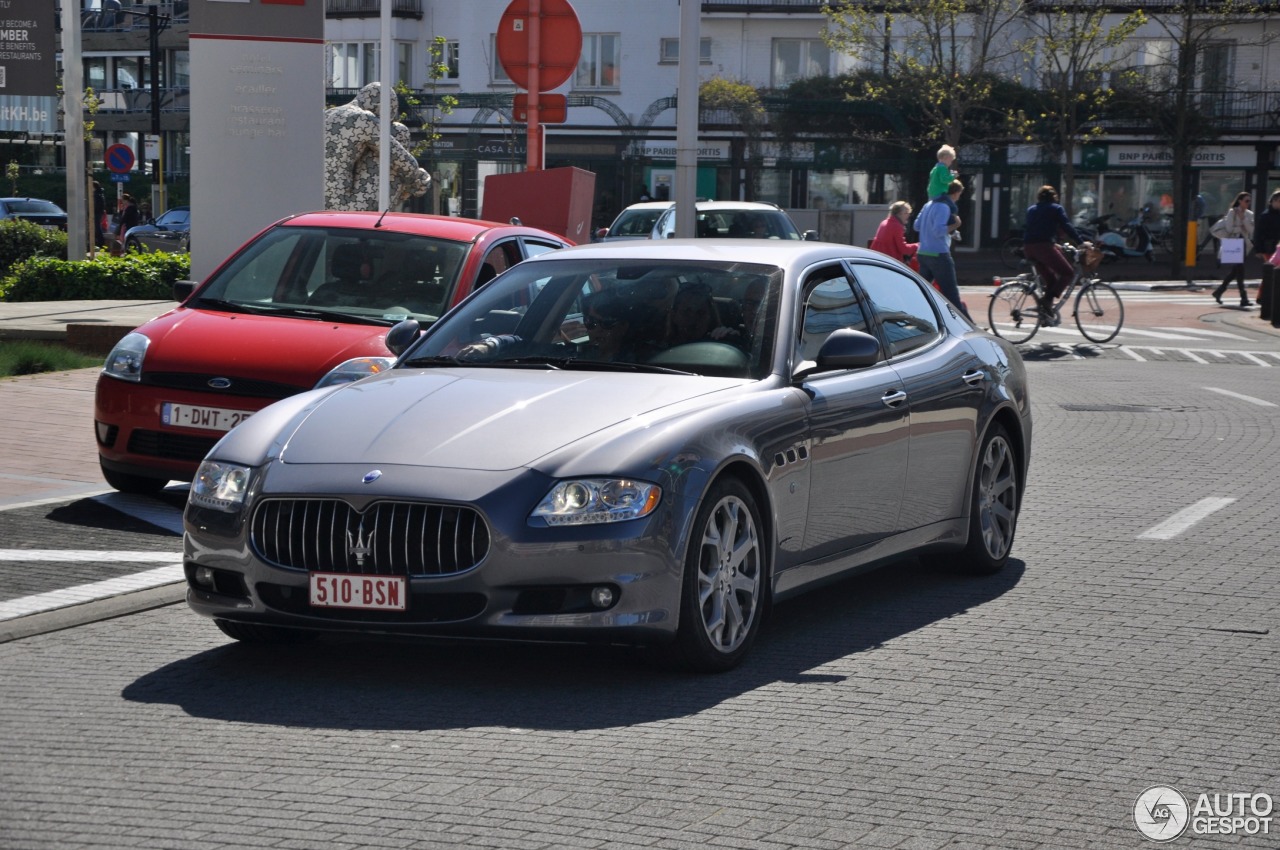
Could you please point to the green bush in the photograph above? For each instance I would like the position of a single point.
(20, 240)
(134, 276)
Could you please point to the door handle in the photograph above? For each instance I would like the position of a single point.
(893, 398)
(974, 378)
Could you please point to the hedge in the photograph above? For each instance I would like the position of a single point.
(148, 277)
(20, 240)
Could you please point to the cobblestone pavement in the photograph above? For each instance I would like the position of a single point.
(902, 709)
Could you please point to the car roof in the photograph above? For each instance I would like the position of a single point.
(737, 205)
(649, 205)
(440, 226)
(787, 254)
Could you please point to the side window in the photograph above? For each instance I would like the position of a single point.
(830, 303)
(533, 247)
(501, 257)
(906, 314)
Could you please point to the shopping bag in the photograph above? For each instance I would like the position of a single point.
(1275, 257)
(1232, 251)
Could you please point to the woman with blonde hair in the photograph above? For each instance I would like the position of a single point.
(891, 235)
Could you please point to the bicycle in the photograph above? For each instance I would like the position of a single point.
(1014, 312)
(1011, 253)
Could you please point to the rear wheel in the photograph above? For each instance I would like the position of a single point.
(138, 485)
(993, 513)
(1099, 312)
(1014, 312)
(725, 581)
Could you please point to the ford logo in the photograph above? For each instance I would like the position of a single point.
(371, 476)
(220, 383)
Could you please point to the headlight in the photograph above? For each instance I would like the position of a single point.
(354, 370)
(125, 360)
(595, 500)
(220, 486)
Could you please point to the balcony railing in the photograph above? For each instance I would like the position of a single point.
(125, 101)
(372, 8)
(800, 6)
(133, 16)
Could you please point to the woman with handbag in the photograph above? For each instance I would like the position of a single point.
(1233, 232)
(1266, 241)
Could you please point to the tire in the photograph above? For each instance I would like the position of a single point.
(254, 633)
(138, 485)
(1099, 312)
(993, 508)
(1011, 253)
(132, 246)
(725, 582)
(1013, 312)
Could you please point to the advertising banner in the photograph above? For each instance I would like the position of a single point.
(28, 73)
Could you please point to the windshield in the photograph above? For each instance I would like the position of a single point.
(32, 205)
(366, 274)
(699, 317)
(635, 223)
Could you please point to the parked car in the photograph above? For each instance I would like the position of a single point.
(636, 443)
(45, 213)
(735, 220)
(304, 295)
(170, 232)
(635, 222)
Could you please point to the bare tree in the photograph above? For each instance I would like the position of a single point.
(1074, 52)
(949, 51)
(1187, 72)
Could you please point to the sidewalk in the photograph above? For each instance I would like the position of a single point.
(89, 326)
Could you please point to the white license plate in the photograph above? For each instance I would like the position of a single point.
(204, 418)
(371, 593)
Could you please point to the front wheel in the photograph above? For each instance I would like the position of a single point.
(993, 512)
(725, 581)
(1014, 312)
(1099, 312)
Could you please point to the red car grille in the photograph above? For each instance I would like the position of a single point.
(170, 446)
(389, 538)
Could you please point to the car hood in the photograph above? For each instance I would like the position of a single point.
(297, 352)
(481, 419)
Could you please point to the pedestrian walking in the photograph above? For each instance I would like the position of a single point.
(99, 215)
(1046, 220)
(935, 224)
(129, 217)
(891, 236)
(1235, 232)
(1266, 237)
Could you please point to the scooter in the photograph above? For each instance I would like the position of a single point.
(1138, 243)
(1098, 231)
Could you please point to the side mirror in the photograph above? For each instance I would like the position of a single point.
(843, 349)
(812, 236)
(182, 289)
(402, 335)
(602, 232)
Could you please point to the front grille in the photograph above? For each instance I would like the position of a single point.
(170, 446)
(246, 387)
(389, 538)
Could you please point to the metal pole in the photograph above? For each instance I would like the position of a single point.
(533, 135)
(687, 119)
(157, 164)
(384, 112)
(73, 131)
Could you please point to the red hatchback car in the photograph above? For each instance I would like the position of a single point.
(310, 292)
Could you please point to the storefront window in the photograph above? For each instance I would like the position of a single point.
(1219, 189)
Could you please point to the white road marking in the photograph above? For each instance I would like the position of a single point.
(1135, 355)
(55, 599)
(1184, 519)
(67, 556)
(1204, 332)
(1191, 355)
(1258, 401)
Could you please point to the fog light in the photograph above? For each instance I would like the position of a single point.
(204, 576)
(602, 597)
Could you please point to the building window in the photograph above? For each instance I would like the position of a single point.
(355, 64)
(497, 74)
(598, 66)
(449, 58)
(669, 53)
(799, 58)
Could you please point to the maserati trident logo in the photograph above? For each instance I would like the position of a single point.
(359, 545)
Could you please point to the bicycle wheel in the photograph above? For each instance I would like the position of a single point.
(1014, 313)
(1011, 253)
(1099, 311)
